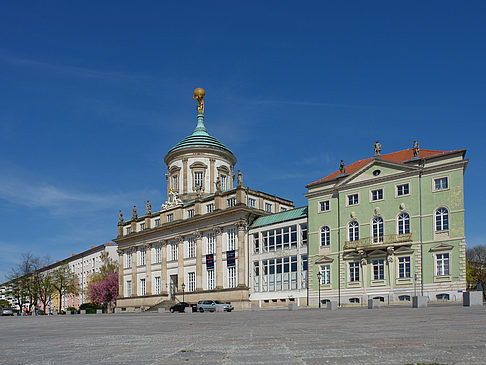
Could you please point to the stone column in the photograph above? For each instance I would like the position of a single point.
(120, 274)
(148, 269)
(241, 226)
(184, 176)
(212, 179)
(198, 261)
(180, 265)
(134, 272)
(219, 258)
(163, 268)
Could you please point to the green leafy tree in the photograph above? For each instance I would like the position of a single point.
(476, 266)
(64, 281)
(46, 288)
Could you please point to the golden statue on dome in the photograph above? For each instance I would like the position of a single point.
(199, 95)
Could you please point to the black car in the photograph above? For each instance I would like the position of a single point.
(180, 307)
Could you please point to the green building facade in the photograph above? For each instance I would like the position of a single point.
(389, 227)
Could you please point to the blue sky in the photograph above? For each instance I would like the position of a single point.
(92, 96)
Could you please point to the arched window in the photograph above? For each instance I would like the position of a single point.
(353, 229)
(441, 219)
(377, 230)
(325, 236)
(403, 223)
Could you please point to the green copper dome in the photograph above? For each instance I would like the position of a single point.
(199, 138)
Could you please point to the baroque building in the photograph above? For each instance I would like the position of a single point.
(389, 227)
(196, 246)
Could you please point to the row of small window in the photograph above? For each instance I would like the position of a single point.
(377, 194)
(401, 298)
(198, 177)
(404, 269)
(231, 243)
(279, 238)
(191, 282)
(279, 274)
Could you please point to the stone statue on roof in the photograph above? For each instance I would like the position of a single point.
(239, 178)
(172, 200)
(377, 148)
(342, 168)
(134, 212)
(199, 94)
(218, 184)
(416, 148)
(148, 208)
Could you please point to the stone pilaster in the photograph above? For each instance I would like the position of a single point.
(180, 265)
(148, 269)
(134, 273)
(241, 227)
(184, 176)
(198, 261)
(218, 201)
(240, 195)
(212, 175)
(121, 292)
(163, 270)
(219, 258)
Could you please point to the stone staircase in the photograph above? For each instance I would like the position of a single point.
(163, 304)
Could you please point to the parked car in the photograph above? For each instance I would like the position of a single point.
(211, 305)
(7, 312)
(181, 306)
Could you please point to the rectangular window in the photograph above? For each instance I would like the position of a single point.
(252, 203)
(157, 222)
(303, 234)
(198, 178)
(191, 247)
(211, 243)
(231, 202)
(403, 189)
(353, 199)
(157, 285)
(210, 208)
(379, 269)
(325, 274)
(268, 207)
(441, 184)
(324, 206)
(283, 209)
(158, 256)
(442, 264)
(354, 271)
(256, 276)
(129, 230)
(141, 256)
(256, 243)
(303, 271)
(142, 287)
(142, 226)
(129, 288)
(190, 213)
(377, 194)
(173, 251)
(404, 267)
(191, 281)
(231, 239)
(211, 279)
(175, 182)
(232, 277)
(170, 217)
(128, 259)
(223, 182)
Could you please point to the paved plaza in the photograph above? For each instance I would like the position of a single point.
(448, 334)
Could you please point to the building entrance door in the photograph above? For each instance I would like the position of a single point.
(173, 286)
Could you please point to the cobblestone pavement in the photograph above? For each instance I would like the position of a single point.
(449, 334)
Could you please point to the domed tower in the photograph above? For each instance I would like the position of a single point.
(199, 164)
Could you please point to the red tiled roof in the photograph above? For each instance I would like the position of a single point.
(398, 156)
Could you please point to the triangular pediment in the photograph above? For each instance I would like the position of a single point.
(441, 247)
(403, 250)
(377, 253)
(324, 260)
(376, 169)
(352, 256)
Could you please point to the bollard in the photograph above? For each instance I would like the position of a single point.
(419, 301)
(82, 311)
(161, 310)
(99, 311)
(138, 310)
(255, 307)
(331, 305)
(472, 298)
(292, 306)
(118, 310)
(373, 303)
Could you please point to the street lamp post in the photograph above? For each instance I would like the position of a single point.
(319, 275)
(183, 287)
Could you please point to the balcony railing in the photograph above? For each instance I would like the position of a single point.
(386, 239)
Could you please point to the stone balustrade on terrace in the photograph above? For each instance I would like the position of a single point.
(371, 241)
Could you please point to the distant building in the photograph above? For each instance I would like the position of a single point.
(388, 227)
(278, 259)
(196, 246)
